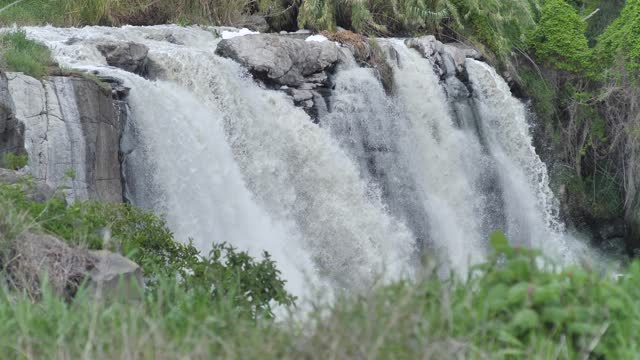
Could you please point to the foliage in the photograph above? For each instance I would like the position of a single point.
(516, 305)
(621, 38)
(23, 55)
(560, 37)
(145, 238)
(14, 161)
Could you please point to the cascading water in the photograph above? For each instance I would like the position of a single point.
(342, 202)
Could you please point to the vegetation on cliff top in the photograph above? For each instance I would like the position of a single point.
(17, 53)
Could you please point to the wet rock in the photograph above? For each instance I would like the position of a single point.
(280, 59)
(128, 56)
(448, 59)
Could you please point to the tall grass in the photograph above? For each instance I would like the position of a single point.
(120, 12)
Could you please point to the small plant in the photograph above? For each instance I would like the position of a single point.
(13, 161)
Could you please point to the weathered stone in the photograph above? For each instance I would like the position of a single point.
(448, 59)
(72, 134)
(280, 59)
(459, 53)
(255, 23)
(301, 95)
(128, 56)
(115, 277)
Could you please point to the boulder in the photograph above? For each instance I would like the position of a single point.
(254, 22)
(129, 56)
(280, 59)
(115, 277)
(448, 59)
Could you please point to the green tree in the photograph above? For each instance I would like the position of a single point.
(559, 39)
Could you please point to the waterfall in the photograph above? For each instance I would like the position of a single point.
(435, 166)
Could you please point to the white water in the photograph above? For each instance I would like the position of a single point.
(227, 160)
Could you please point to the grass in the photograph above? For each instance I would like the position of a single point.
(20, 54)
(119, 12)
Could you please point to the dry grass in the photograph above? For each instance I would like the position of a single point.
(34, 258)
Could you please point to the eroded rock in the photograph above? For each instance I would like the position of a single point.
(280, 59)
(448, 59)
(128, 56)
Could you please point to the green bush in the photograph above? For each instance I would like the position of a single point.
(560, 40)
(23, 55)
(144, 237)
(621, 38)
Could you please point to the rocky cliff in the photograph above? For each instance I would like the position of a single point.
(70, 128)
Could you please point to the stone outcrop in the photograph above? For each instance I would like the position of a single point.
(298, 67)
(70, 127)
(447, 58)
(281, 59)
(129, 56)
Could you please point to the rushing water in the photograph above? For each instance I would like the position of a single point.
(381, 177)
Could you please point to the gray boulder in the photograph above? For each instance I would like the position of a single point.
(280, 59)
(448, 59)
(128, 56)
(115, 277)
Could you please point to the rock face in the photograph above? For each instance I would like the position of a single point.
(72, 130)
(11, 131)
(298, 67)
(128, 56)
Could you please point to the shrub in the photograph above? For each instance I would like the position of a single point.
(254, 285)
(560, 38)
(621, 38)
